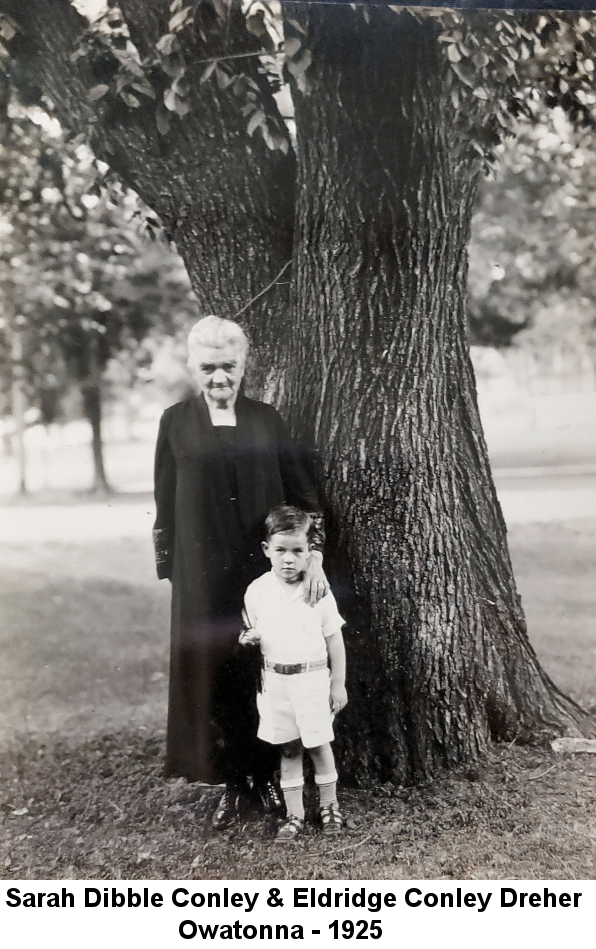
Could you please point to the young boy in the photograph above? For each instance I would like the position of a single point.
(304, 668)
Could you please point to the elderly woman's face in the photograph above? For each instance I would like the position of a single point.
(218, 371)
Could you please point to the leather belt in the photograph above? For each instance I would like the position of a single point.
(291, 669)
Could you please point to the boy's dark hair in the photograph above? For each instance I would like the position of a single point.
(286, 518)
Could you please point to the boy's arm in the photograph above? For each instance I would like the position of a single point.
(337, 662)
(249, 635)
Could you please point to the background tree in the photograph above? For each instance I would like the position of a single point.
(84, 282)
(532, 275)
(396, 114)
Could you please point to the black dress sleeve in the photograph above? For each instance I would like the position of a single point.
(297, 483)
(165, 501)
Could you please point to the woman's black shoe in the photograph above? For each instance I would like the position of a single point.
(228, 809)
(271, 799)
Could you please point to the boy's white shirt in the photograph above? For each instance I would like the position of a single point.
(290, 630)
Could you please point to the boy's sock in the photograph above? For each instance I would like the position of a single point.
(327, 784)
(294, 800)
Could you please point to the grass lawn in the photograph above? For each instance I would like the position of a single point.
(82, 711)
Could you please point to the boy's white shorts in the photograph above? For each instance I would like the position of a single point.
(295, 706)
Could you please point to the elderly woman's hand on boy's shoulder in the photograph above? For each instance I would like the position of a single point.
(316, 585)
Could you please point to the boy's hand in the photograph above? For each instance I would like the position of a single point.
(249, 637)
(338, 698)
(316, 585)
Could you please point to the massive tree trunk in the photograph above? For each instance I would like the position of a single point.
(381, 382)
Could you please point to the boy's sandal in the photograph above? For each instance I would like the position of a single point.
(289, 830)
(331, 818)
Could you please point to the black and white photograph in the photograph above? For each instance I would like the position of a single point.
(297, 350)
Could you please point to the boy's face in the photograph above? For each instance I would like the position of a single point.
(288, 553)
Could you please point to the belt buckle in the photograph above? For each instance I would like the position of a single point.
(290, 669)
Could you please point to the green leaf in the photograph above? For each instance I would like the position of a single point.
(275, 140)
(97, 92)
(182, 107)
(298, 66)
(223, 78)
(208, 72)
(162, 119)
(255, 120)
(130, 100)
(298, 26)
(240, 86)
(173, 64)
(292, 46)
(464, 74)
(255, 24)
(480, 93)
(169, 100)
(180, 19)
(8, 28)
(220, 8)
(181, 85)
(144, 87)
(480, 59)
(524, 52)
(128, 61)
(167, 43)
(453, 54)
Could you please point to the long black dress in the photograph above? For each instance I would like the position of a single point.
(214, 487)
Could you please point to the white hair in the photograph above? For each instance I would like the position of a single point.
(217, 332)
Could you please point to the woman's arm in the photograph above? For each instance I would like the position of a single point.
(299, 490)
(316, 585)
(294, 467)
(165, 501)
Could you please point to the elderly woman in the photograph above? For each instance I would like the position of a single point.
(223, 461)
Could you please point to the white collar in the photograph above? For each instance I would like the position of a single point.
(289, 591)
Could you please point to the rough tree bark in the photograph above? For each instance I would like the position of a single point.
(382, 383)
(379, 375)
